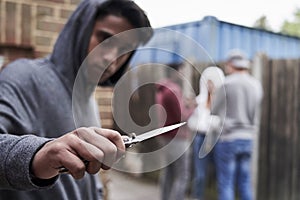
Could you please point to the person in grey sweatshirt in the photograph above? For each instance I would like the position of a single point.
(40, 133)
(237, 108)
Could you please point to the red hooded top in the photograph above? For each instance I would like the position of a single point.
(169, 96)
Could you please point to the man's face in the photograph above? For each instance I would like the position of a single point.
(105, 52)
(228, 68)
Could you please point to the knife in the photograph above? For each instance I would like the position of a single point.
(150, 134)
(137, 139)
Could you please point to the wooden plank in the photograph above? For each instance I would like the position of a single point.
(286, 108)
(276, 152)
(263, 162)
(295, 184)
(283, 137)
(297, 131)
(273, 127)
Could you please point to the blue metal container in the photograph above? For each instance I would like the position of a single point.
(217, 38)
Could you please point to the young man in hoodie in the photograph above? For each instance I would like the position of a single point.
(40, 134)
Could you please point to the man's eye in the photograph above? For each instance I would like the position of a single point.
(102, 37)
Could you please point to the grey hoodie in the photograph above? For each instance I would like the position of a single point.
(238, 106)
(36, 99)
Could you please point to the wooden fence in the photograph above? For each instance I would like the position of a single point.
(279, 140)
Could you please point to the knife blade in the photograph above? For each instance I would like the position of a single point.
(150, 134)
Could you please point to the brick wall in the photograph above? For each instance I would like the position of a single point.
(10, 53)
(29, 28)
(104, 97)
(34, 23)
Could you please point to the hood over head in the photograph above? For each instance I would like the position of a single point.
(71, 47)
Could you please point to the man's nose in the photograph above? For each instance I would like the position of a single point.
(111, 55)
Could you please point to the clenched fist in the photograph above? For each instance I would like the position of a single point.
(99, 148)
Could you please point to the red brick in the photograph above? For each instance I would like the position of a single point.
(49, 1)
(26, 25)
(76, 2)
(44, 41)
(44, 10)
(102, 101)
(49, 26)
(105, 115)
(65, 13)
(57, 1)
(39, 54)
(12, 52)
(10, 23)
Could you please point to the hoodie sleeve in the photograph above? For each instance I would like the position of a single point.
(16, 153)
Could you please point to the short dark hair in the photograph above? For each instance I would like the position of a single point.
(173, 67)
(176, 65)
(129, 10)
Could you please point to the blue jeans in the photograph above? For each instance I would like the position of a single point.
(233, 163)
(200, 167)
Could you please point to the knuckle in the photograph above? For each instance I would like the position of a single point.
(71, 137)
(100, 156)
(79, 169)
(57, 147)
(80, 131)
(81, 128)
(115, 135)
(95, 156)
(95, 128)
(94, 167)
(111, 149)
(78, 175)
(92, 171)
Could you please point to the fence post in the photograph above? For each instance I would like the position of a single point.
(256, 71)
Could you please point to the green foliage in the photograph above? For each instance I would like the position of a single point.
(292, 27)
(262, 23)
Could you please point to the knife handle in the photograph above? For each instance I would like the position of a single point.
(127, 141)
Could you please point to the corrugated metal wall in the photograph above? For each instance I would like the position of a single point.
(217, 38)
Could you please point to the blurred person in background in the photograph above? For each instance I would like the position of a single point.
(200, 121)
(174, 177)
(233, 151)
(38, 131)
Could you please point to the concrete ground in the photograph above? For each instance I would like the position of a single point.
(122, 186)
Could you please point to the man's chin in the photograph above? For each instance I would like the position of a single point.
(102, 80)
